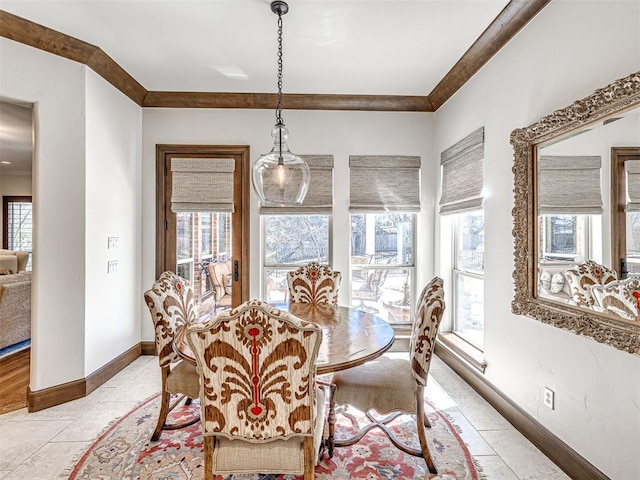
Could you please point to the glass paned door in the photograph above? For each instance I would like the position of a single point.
(202, 238)
(189, 241)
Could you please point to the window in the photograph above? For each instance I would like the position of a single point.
(633, 242)
(468, 278)
(18, 225)
(382, 264)
(291, 241)
(564, 238)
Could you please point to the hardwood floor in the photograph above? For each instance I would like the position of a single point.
(14, 380)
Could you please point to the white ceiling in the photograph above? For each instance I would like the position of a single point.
(330, 46)
(366, 47)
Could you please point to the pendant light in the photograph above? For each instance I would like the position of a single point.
(280, 177)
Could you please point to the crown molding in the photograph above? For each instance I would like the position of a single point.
(43, 38)
(504, 27)
(510, 20)
(292, 101)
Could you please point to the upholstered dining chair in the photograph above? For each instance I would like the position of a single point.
(171, 303)
(395, 386)
(582, 278)
(314, 283)
(260, 407)
(620, 297)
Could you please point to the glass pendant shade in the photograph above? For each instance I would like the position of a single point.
(280, 177)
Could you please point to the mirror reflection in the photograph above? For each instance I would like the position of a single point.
(588, 217)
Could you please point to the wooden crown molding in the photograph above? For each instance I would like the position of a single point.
(512, 18)
(292, 101)
(43, 38)
(509, 21)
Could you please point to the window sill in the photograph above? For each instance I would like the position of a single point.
(462, 349)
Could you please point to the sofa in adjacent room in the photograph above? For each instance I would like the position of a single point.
(13, 260)
(15, 308)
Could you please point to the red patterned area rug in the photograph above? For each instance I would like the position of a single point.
(124, 452)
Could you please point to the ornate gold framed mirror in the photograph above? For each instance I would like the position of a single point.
(547, 231)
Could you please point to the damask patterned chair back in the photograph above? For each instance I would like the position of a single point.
(258, 385)
(583, 277)
(620, 297)
(425, 329)
(172, 305)
(314, 283)
(391, 386)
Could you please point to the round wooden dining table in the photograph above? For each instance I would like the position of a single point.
(350, 337)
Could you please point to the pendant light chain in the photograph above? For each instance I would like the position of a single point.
(279, 106)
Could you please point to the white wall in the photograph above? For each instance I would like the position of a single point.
(86, 186)
(337, 133)
(565, 53)
(56, 87)
(113, 179)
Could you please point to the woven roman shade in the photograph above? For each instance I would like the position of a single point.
(463, 174)
(633, 185)
(319, 198)
(569, 185)
(202, 184)
(384, 183)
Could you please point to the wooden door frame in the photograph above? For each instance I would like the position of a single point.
(240, 153)
(619, 155)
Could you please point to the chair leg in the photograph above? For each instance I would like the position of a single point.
(164, 411)
(309, 459)
(209, 445)
(166, 406)
(382, 424)
(421, 421)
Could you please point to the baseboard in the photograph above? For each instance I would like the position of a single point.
(574, 465)
(52, 396)
(104, 373)
(148, 348)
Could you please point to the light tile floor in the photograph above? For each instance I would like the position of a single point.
(45, 444)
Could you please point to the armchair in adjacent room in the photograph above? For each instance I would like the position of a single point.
(221, 278)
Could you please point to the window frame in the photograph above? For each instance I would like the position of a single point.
(6, 200)
(584, 238)
(399, 327)
(457, 272)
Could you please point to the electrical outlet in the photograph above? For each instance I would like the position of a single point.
(549, 397)
(112, 266)
(113, 243)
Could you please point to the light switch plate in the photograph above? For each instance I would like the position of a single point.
(113, 243)
(112, 266)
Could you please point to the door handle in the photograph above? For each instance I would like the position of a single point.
(235, 270)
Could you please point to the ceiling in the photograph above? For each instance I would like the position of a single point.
(331, 47)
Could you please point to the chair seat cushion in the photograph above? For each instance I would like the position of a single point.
(278, 456)
(385, 385)
(184, 379)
